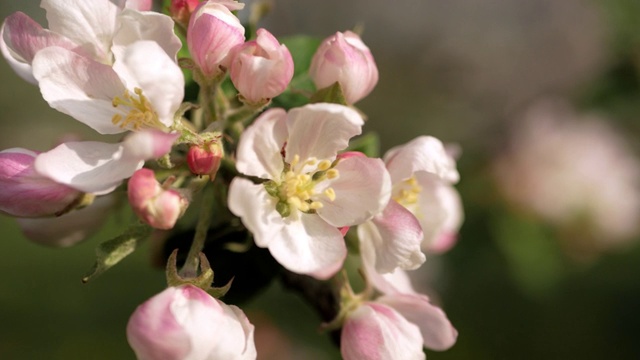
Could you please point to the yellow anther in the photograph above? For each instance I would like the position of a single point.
(295, 160)
(324, 165)
(408, 192)
(304, 178)
(312, 161)
(315, 205)
(330, 193)
(140, 113)
(333, 174)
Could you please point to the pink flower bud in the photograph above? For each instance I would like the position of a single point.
(344, 58)
(155, 205)
(26, 193)
(376, 331)
(213, 31)
(187, 323)
(181, 10)
(262, 68)
(205, 159)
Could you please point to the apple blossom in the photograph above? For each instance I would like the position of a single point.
(181, 10)
(307, 195)
(213, 31)
(422, 173)
(262, 68)
(94, 29)
(27, 193)
(344, 58)
(574, 171)
(155, 205)
(374, 331)
(185, 322)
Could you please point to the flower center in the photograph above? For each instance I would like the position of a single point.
(297, 189)
(407, 192)
(140, 113)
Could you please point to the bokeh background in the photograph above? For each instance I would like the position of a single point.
(459, 70)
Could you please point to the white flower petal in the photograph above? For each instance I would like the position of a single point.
(21, 38)
(135, 26)
(89, 166)
(395, 235)
(259, 149)
(437, 331)
(89, 23)
(79, 87)
(321, 130)
(361, 191)
(257, 210)
(439, 211)
(148, 144)
(145, 65)
(309, 246)
(422, 154)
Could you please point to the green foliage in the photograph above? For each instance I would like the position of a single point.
(301, 87)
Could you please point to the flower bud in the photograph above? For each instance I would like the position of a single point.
(187, 323)
(262, 68)
(213, 31)
(344, 58)
(205, 159)
(155, 205)
(376, 331)
(26, 193)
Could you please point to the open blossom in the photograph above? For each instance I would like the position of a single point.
(262, 68)
(27, 193)
(187, 323)
(155, 205)
(96, 29)
(344, 58)
(308, 195)
(574, 171)
(213, 31)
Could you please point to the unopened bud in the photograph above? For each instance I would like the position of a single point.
(344, 58)
(213, 31)
(205, 159)
(261, 69)
(153, 204)
(26, 193)
(181, 10)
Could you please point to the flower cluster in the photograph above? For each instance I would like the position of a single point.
(286, 175)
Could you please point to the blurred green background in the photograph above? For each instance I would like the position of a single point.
(459, 70)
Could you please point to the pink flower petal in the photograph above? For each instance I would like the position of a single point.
(259, 149)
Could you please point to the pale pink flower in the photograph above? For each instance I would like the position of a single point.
(296, 213)
(574, 171)
(155, 205)
(186, 323)
(375, 331)
(96, 29)
(68, 229)
(422, 173)
(261, 69)
(344, 58)
(213, 31)
(25, 192)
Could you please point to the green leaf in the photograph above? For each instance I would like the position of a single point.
(368, 144)
(331, 94)
(112, 251)
(302, 49)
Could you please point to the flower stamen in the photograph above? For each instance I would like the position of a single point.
(140, 115)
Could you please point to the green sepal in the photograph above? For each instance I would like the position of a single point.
(112, 251)
(368, 144)
(203, 280)
(218, 292)
(331, 94)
